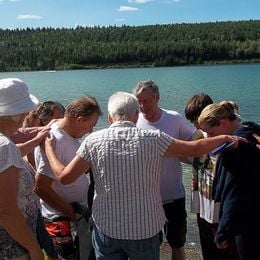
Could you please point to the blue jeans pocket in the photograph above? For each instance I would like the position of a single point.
(101, 239)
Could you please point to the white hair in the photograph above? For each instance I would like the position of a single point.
(122, 106)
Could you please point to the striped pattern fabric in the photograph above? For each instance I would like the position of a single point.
(126, 163)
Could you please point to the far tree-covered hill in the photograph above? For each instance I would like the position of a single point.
(152, 45)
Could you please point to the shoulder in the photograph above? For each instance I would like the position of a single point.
(149, 132)
(171, 113)
(97, 136)
(246, 154)
(247, 129)
(198, 134)
(4, 140)
(156, 134)
(10, 155)
(99, 133)
(174, 117)
(55, 129)
(59, 134)
(176, 125)
(6, 145)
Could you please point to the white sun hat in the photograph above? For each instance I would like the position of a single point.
(15, 98)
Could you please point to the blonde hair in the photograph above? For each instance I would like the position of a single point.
(31, 117)
(213, 113)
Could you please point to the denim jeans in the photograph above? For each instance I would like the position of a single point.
(120, 249)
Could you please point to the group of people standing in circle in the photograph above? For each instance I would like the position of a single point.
(135, 166)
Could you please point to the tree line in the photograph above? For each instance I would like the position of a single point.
(150, 45)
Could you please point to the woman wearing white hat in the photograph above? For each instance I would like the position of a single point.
(18, 203)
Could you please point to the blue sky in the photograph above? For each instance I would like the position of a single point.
(70, 13)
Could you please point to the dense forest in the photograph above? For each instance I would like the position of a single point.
(151, 45)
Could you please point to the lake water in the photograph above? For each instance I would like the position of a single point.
(240, 83)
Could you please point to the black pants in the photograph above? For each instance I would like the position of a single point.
(248, 244)
(209, 249)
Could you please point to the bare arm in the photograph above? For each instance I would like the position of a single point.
(72, 171)
(24, 134)
(181, 148)
(11, 218)
(44, 190)
(28, 146)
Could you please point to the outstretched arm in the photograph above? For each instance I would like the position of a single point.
(196, 148)
(29, 145)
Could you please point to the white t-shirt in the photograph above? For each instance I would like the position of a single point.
(173, 124)
(77, 191)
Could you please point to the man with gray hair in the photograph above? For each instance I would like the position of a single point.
(172, 188)
(127, 210)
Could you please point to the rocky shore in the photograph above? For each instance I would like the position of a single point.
(192, 252)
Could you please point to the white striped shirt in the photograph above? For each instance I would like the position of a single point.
(126, 163)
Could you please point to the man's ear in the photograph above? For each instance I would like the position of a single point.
(136, 117)
(109, 119)
(80, 119)
(158, 97)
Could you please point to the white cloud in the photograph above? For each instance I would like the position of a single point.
(124, 8)
(28, 16)
(1, 1)
(140, 1)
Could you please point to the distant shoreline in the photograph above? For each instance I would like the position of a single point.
(134, 66)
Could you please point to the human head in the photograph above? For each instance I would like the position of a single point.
(195, 105)
(49, 110)
(84, 113)
(15, 103)
(15, 98)
(123, 106)
(219, 118)
(146, 84)
(32, 119)
(147, 94)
